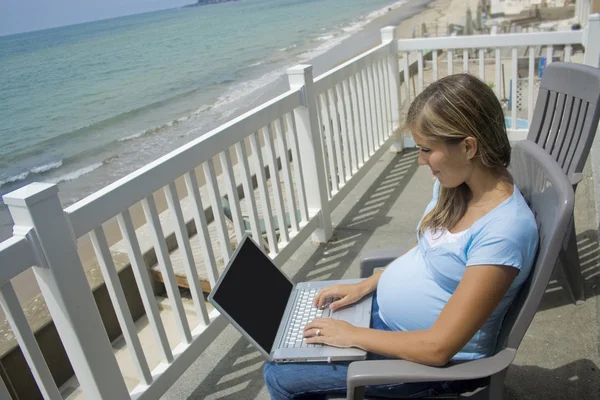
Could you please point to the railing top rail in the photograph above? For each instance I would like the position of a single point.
(106, 203)
(488, 41)
(16, 256)
(350, 67)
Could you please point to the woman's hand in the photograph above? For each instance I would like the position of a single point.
(347, 294)
(333, 332)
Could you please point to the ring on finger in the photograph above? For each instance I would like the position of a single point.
(318, 332)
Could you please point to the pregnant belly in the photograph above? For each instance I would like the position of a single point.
(409, 299)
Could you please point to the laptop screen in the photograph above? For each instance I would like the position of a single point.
(254, 293)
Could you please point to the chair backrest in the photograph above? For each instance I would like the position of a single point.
(566, 114)
(550, 196)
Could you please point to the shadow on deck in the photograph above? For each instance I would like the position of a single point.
(558, 358)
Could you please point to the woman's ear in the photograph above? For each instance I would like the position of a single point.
(470, 146)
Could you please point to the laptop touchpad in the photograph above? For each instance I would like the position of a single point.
(346, 314)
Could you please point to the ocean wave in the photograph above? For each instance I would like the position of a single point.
(332, 38)
(242, 89)
(151, 131)
(290, 47)
(39, 169)
(256, 64)
(77, 173)
(327, 36)
(47, 167)
(14, 178)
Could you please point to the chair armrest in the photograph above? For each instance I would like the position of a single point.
(365, 373)
(369, 260)
(576, 178)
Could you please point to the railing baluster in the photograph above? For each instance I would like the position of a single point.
(359, 130)
(550, 54)
(482, 64)
(191, 184)
(450, 61)
(371, 110)
(28, 343)
(242, 157)
(117, 297)
(362, 98)
(389, 125)
(282, 147)
(568, 50)
(420, 70)
(530, 81)
(335, 131)
(465, 61)
(275, 182)
(143, 283)
(350, 127)
(300, 186)
(164, 262)
(498, 66)
(326, 148)
(189, 264)
(215, 200)
(339, 93)
(232, 194)
(513, 88)
(263, 192)
(333, 174)
(434, 57)
(376, 103)
(406, 76)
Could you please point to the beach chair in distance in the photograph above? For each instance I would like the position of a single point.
(564, 124)
(551, 198)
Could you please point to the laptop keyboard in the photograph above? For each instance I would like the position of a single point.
(304, 312)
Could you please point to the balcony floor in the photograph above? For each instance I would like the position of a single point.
(559, 356)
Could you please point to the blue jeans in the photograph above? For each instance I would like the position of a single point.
(315, 380)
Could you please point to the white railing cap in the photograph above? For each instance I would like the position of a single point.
(30, 194)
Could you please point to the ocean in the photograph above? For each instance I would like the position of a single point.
(84, 105)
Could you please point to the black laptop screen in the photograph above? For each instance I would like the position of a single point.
(254, 293)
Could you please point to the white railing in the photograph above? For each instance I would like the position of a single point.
(282, 167)
(583, 8)
(293, 159)
(475, 53)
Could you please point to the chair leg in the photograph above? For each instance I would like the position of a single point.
(496, 387)
(355, 393)
(569, 260)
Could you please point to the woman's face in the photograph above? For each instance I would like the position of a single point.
(451, 164)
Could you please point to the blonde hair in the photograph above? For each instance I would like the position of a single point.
(448, 111)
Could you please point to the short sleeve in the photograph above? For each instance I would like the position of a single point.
(495, 249)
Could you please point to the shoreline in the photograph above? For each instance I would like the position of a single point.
(368, 37)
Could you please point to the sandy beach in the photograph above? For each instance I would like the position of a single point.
(440, 12)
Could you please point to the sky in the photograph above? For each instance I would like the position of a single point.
(31, 15)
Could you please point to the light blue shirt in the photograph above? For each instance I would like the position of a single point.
(415, 287)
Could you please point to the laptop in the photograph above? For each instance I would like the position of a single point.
(270, 311)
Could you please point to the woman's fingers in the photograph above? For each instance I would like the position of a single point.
(311, 332)
(344, 301)
(324, 294)
(317, 323)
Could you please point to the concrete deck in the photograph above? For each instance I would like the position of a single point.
(559, 356)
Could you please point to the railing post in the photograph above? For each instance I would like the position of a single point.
(388, 35)
(591, 42)
(65, 288)
(311, 149)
